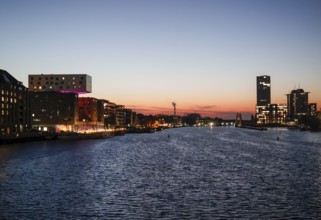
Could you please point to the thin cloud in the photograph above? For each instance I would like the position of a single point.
(205, 106)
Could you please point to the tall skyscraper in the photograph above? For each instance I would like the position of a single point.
(298, 103)
(263, 90)
(263, 99)
(267, 113)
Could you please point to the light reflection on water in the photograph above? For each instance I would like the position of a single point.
(197, 173)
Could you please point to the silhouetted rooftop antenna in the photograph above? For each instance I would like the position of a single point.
(174, 105)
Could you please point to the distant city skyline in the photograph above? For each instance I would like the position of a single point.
(203, 55)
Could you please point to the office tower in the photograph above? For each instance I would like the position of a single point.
(263, 90)
(297, 103)
(14, 106)
(263, 99)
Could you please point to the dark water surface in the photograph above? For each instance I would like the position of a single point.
(197, 173)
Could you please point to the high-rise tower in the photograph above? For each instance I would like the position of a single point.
(263, 99)
(263, 90)
(298, 103)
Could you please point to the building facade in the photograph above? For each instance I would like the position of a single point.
(277, 113)
(109, 115)
(54, 104)
(267, 113)
(14, 106)
(263, 99)
(312, 109)
(297, 102)
(54, 111)
(89, 117)
(130, 118)
(64, 83)
(120, 116)
(263, 90)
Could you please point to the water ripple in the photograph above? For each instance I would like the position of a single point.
(197, 173)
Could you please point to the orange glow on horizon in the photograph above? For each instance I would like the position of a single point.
(226, 112)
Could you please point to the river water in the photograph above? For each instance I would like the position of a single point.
(185, 173)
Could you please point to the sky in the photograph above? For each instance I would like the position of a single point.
(144, 54)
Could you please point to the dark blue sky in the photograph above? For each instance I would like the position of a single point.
(197, 53)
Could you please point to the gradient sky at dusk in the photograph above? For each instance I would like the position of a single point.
(204, 55)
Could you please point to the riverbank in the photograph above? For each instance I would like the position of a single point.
(41, 136)
(22, 138)
(254, 128)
